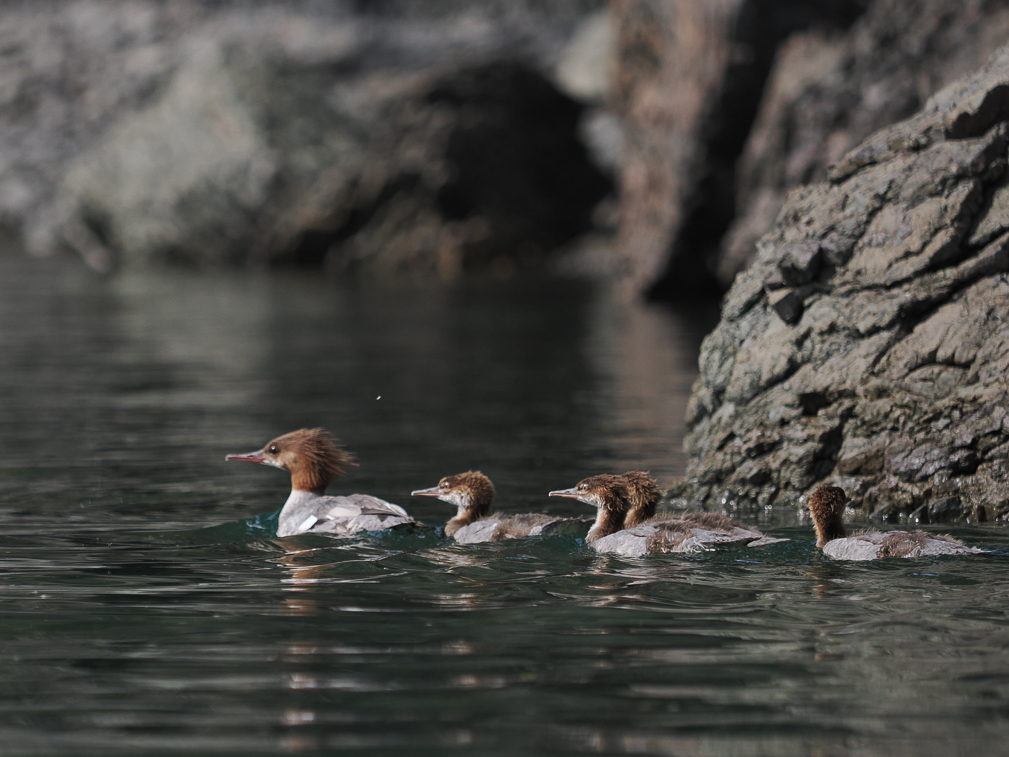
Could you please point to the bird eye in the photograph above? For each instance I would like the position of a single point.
(273, 449)
(443, 485)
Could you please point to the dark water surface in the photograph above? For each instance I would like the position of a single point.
(145, 609)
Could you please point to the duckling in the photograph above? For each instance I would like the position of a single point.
(609, 495)
(827, 504)
(635, 492)
(473, 493)
(643, 496)
(314, 461)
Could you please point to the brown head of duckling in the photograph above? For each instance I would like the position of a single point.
(472, 492)
(606, 492)
(643, 496)
(310, 455)
(826, 505)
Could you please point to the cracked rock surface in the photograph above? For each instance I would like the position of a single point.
(868, 345)
(827, 92)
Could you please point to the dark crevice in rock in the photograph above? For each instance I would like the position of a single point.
(309, 250)
(710, 207)
(99, 224)
(813, 402)
(514, 154)
(994, 108)
(504, 177)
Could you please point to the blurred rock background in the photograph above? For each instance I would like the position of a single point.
(393, 136)
(652, 141)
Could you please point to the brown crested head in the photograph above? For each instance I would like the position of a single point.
(605, 491)
(311, 455)
(826, 505)
(643, 495)
(471, 490)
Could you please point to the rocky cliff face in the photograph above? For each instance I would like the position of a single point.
(868, 345)
(729, 105)
(828, 91)
(688, 83)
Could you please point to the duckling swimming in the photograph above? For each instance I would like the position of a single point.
(609, 495)
(314, 461)
(473, 493)
(643, 496)
(619, 496)
(826, 505)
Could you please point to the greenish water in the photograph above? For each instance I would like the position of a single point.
(146, 607)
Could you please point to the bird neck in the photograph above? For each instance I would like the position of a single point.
(607, 522)
(467, 514)
(829, 528)
(305, 479)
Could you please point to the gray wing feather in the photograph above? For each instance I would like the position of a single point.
(342, 516)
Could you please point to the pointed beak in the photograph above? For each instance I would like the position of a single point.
(569, 493)
(249, 457)
(431, 492)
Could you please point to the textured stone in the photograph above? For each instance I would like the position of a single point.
(799, 262)
(892, 380)
(787, 304)
(688, 79)
(828, 92)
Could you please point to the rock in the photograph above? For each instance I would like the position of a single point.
(828, 91)
(688, 79)
(786, 303)
(186, 177)
(585, 69)
(585, 74)
(211, 133)
(799, 262)
(892, 378)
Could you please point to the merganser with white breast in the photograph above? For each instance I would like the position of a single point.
(827, 504)
(314, 461)
(473, 493)
(626, 525)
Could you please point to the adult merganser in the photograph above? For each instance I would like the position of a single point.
(827, 504)
(314, 461)
(473, 493)
(692, 532)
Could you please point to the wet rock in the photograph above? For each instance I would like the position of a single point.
(892, 378)
(944, 510)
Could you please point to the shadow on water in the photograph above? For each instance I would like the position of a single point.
(148, 607)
